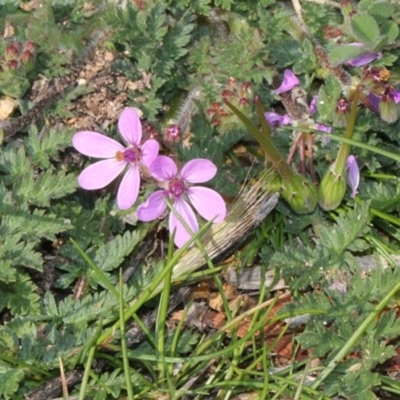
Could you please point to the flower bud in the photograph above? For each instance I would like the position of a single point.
(274, 183)
(30, 47)
(226, 94)
(13, 51)
(347, 8)
(27, 60)
(300, 194)
(388, 109)
(341, 112)
(13, 64)
(331, 189)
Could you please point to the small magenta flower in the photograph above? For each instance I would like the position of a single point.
(353, 175)
(290, 80)
(275, 119)
(118, 158)
(177, 186)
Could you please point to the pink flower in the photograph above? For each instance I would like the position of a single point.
(353, 177)
(118, 158)
(177, 186)
(290, 80)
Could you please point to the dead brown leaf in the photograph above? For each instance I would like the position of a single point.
(8, 30)
(30, 5)
(7, 107)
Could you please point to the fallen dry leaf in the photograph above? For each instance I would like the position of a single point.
(8, 30)
(7, 107)
(31, 5)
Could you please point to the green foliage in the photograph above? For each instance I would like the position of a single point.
(365, 28)
(162, 41)
(167, 49)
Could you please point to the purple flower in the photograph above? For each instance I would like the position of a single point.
(363, 59)
(324, 128)
(353, 177)
(177, 186)
(118, 158)
(289, 82)
(374, 100)
(275, 119)
(395, 94)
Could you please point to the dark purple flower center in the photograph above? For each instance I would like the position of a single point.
(131, 155)
(176, 187)
(342, 106)
(173, 132)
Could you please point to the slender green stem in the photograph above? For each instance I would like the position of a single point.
(124, 346)
(163, 312)
(86, 374)
(344, 151)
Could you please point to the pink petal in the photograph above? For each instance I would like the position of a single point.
(198, 170)
(163, 168)
(130, 127)
(94, 144)
(364, 59)
(100, 174)
(208, 203)
(289, 82)
(150, 150)
(275, 119)
(313, 104)
(396, 96)
(128, 190)
(324, 128)
(153, 207)
(353, 178)
(187, 214)
(374, 100)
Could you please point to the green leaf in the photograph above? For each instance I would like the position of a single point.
(365, 28)
(349, 226)
(110, 255)
(382, 9)
(20, 297)
(344, 52)
(327, 99)
(390, 30)
(9, 380)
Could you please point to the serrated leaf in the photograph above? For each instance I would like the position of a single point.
(348, 228)
(50, 185)
(9, 380)
(365, 28)
(111, 254)
(20, 297)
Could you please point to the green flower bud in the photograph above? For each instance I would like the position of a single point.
(300, 194)
(388, 109)
(331, 189)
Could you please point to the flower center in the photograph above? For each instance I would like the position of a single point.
(176, 187)
(131, 155)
